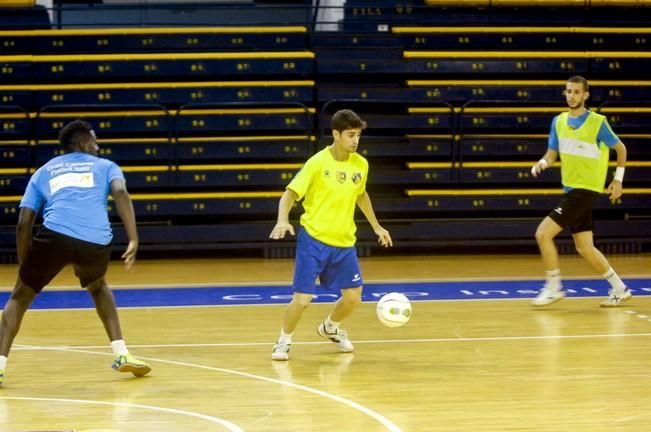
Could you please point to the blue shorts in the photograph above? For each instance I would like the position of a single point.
(337, 268)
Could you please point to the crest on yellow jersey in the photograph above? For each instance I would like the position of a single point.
(341, 176)
(356, 178)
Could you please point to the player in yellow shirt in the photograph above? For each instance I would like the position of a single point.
(331, 183)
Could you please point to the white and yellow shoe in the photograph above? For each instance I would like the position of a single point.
(339, 336)
(548, 296)
(616, 298)
(280, 351)
(129, 363)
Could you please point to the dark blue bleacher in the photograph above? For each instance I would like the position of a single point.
(171, 39)
(170, 95)
(440, 142)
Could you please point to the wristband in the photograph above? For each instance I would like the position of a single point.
(619, 174)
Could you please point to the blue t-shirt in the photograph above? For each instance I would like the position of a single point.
(606, 134)
(73, 191)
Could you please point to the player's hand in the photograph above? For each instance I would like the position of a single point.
(614, 190)
(538, 167)
(129, 256)
(383, 237)
(280, 230)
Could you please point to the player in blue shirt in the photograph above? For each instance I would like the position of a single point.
(583, 140)
(72, 190)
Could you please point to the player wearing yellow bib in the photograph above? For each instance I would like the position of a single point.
(583, 140)
(331, 184)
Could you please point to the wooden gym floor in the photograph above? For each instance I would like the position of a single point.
(488, 365)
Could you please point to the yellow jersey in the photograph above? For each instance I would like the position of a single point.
(330, 189)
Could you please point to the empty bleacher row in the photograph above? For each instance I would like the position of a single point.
(382, 15)
(209, 124)
(469, 154)
(172, 39)
(169, 94)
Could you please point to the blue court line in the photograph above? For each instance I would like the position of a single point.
(251, 295)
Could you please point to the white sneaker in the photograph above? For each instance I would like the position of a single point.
(548, 296)
(340, 337)
(281, 351)
(616, 298)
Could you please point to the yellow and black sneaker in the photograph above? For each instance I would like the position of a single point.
(129, 363)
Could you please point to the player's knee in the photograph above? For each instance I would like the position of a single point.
(355, 301)
(302, 300)
(542, 236)
(584, 250)
(23, 294)
(353, 297)
(96, 286)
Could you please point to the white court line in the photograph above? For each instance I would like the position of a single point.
(380, 418)
(228, 425)
(377, 341)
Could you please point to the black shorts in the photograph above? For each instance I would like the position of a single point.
(575, 210)
(50, 252)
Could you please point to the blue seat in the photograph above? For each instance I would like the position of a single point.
(14, 127)
(261, 147)
(15, 153)
(523, 119)
(406, 146)
(121, 150)
(424, 173)
(371, 66)
(148, 40)
(87, 67)
(501, 38)
(137, 122)
(558, 38)
(326, 92)
(523, 90)
(506, 174)
(157, 177)
(501, 200)
(171, 94)
(241, 204)
(490, 146)
(494, 62)
(353, 40)
(628, 119)
(634, 66)
(13, 180)
(259, 176)
(254, 119)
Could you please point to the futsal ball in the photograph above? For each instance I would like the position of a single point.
(393, 309)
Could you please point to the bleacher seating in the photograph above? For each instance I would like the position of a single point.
(209, 123)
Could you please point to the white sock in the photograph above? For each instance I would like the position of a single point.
(119, 347)
(3, 362)
(614, 280)
(331, 325)
(285, 337)
(553, 279)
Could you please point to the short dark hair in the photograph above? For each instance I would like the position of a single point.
(578, 79)
(72, 134)
(346, 119)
